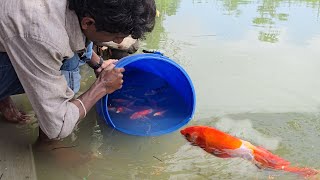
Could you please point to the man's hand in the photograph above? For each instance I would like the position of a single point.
(110, 79)
(107, 65)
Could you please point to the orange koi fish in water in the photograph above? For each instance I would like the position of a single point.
(159, 113)
(223, 145)
(141, 114)
(122, 109)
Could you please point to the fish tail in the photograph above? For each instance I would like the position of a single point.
(305, 172)
(266, 159)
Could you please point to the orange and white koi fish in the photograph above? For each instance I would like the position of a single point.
(122, 109)
(119, 109)
(223, 145)
(141, 114)
(159, 113)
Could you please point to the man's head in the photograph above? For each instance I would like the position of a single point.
(113, 20)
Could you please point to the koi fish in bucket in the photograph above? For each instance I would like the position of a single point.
(159, 113)
(141, 114)
(119, 109)
(223, 145)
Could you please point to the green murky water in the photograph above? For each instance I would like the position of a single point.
(255, 67)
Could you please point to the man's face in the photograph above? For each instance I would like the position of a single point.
(90, 31)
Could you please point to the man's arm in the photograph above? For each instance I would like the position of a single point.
(107, 82)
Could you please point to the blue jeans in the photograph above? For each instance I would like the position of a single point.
(10, 83)
(71, 71)
(70, 68)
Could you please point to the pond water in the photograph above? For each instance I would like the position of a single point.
(255, 68)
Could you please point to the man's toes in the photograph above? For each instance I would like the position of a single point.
(25, 115)
(23, 118)
(19, 117)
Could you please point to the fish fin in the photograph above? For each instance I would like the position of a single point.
(222, 155)
(258, 166)
(305, 172)
(194, 144)
(218, 153)
(266, 159)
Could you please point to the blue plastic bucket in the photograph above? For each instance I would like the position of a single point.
(157, 97)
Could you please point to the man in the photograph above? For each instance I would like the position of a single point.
(36, 36)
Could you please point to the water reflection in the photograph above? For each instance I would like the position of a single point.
(270, 14)
(166, 8)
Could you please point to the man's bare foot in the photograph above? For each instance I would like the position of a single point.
(11, 113)
(65, 156)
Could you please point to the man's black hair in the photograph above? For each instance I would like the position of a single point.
(135, 17)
